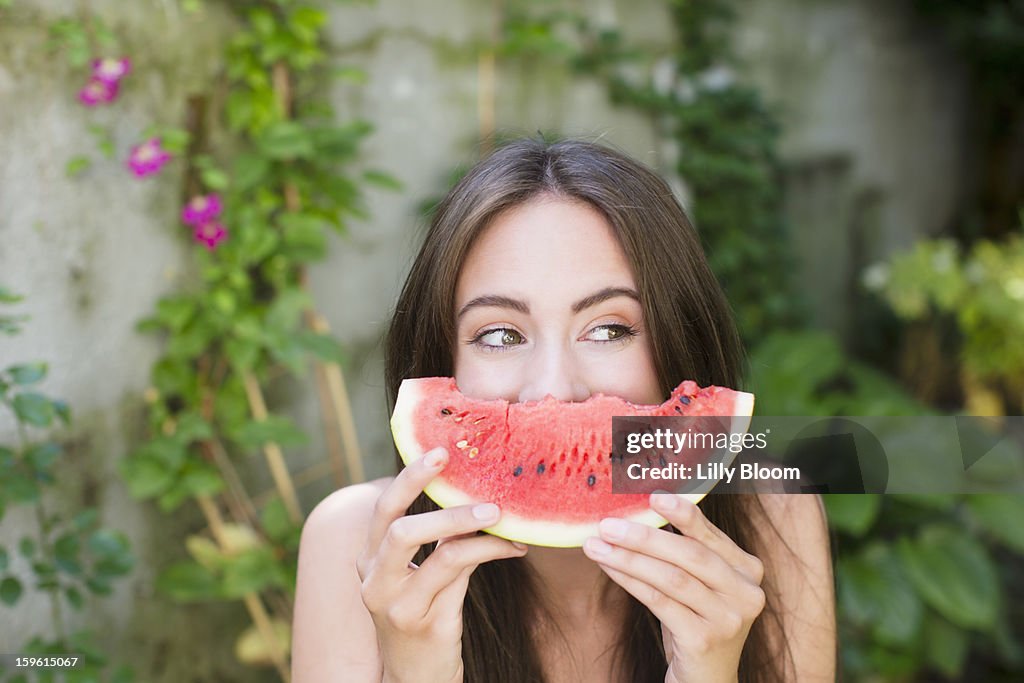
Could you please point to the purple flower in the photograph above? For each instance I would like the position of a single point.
(148, 158)
(97, 92)
(201, 209)
(110, 70)
(210, 233)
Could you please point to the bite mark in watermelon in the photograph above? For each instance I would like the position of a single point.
(545, 463)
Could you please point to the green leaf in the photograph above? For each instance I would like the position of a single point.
(76, 166)
(4, 559)
(191, 427)
(112, 553)
(9, 297)
(250, 171)
(175, 312)
(322, 346)
(945, 647)
(286, 140)
(42, 456)
(382, 179)
(999, 515)
(10, 591)
(875, 593)
(85, 519)
(304, 236)
(275, 520)
(27, 547)
(29, 373)
(252, 571)
(954, 574)
(188, 582)
(34, 409)
(63, 411)
(66, 551)
(852, 513)
(215, 179)
(19, 487)
(145, 476)
(74, 597)
(274, 428)
(201, 480)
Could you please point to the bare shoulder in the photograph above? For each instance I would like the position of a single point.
(343, 510)
(333, 637)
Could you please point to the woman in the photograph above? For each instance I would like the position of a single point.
(564, 269)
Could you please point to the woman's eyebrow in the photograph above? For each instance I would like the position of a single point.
(500, 301)
(603, 295)
(495, 300)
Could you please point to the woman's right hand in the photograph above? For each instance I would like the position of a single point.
(417, 611)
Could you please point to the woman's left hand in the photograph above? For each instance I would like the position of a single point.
(705, 590)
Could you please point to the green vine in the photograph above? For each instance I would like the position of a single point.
(263, 205)
(68, 557)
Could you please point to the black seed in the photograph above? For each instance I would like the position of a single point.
(517, 471)
(661, 460)
(591, 480)
(446, 411)
(685, 400)
(676, 408)
(540, 468)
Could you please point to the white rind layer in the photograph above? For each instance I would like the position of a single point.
(514, 527)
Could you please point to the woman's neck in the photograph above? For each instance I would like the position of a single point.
(572, 587)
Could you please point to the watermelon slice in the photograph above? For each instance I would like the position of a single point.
(545, 463)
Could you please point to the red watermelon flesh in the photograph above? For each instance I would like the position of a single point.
(545, 463)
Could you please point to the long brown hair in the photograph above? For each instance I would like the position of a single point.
(692, 336)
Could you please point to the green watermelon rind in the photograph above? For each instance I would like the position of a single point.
(515, 527)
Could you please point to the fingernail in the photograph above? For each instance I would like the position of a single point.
(666, 501)
(521, 546)
(486, 512)
(597, 546)
(614, 529)
(434, 458)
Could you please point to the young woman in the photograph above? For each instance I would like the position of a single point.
(565, 269)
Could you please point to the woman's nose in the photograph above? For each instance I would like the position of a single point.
(553, 371)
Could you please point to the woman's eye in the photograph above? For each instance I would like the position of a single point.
(499, 338)
(603, 333)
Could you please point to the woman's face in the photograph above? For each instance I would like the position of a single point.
(546, 303)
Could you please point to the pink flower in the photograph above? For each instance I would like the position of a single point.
(97, 91)
(201, 209)
(148, 158)
(210, 233)
(110, 70)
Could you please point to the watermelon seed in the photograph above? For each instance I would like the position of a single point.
(676, 408)
(540, 468)
(473, 452)
(446, 411)
(661, 460)
(685, 400)
(457, 419)
(591, 480)
(517, 471)
(479, 420)
(462, 444)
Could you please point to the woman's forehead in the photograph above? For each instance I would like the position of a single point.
(548, 244)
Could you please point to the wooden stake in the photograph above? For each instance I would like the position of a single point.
(275, 458)
(253, 604)
(343, 418)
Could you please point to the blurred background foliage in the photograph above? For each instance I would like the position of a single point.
(928, 587)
